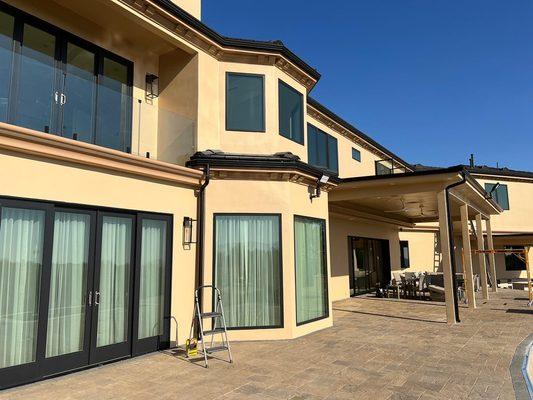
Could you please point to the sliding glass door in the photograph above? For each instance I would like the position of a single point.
(54, 82)
(79, 287)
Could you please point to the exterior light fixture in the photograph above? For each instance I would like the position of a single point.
(152, 86)
(316, 193)
(188, 225)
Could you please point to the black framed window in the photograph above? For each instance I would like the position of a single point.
(500, 194)
(356, 154)
(311, 269)
(382, 169)
(245, 102)
(404, 254)
(514, 262)
(54, 82)
(291, 113)
(322, 149)
(248, 269)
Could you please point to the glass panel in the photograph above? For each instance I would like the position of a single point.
(333, 162)
(356, 154)
(36, 81)
(322, 149)
(114, 107)
(311, 145)
(68, 284)
(290, 113)
(115, 270)
(311, 289)
(80, 91)
(7, 23)
(152, 286)
(248, 270)
(245, 103)
(21, 257)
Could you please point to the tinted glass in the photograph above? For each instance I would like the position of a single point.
(311, 145)
(291, 113)
(333, 162)
(37, 80)
(500, 195)
(114, 106)
(245, 103)
(80, 91)
(356, 154)
(6, 61)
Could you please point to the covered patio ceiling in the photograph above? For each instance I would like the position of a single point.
(411, 198)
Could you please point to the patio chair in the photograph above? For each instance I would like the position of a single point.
(395, 285)
(423, 286)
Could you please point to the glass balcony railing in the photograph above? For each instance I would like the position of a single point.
(388, 167)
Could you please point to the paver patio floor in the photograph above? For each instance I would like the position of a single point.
(377, 349)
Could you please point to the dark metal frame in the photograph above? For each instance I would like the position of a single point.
(213, 274)
(325, 262)
(395, 166)
(228, 74)
(44, 367)
(62, 38)
(330, 171)
(404, 244)
(281, 84)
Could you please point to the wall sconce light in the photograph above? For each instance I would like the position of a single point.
(322, 181)
(188, 227)
(152, 86)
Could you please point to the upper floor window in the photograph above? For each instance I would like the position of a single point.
(499, 194)
(53, 82)
(382, 168)
(245, 102)
(356, 154)
(291, 113)
(322, 149)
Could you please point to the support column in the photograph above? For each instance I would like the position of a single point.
(492, 258)
(446, 257)
(467, 267)
(481, 257)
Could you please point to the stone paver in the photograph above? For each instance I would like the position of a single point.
(378, 349)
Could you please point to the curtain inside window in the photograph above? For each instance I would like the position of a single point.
(152, 286)
(311, 290)
(115, 270)
(248, 270)
(68, 284)
(21, 255)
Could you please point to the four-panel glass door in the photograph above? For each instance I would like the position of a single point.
(79, 287)
(54, 82)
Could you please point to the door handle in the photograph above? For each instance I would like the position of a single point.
(90, 299)
(63, 99)
(56, 97)
(96, 298)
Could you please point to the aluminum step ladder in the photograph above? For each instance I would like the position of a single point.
(218, 324)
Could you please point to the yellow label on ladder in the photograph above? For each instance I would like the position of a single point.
(192, 347)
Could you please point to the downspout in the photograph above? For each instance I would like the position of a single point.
(200, 232)
(449, 224)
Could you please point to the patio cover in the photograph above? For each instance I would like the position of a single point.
(440, 195)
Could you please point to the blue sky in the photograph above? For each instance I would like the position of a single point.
(432, 80)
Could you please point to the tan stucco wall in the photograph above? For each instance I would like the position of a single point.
(193, 7)
(39, 179)
(287, 199)
(343, 227)
(424, 253)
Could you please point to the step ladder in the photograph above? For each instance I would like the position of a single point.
(218, 324)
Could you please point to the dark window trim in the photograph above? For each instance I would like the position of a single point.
(62, 38)
(327, 169)
(491, 185)
(289, 87)
(403, 263)
(213, 272)
(325, 260)
(358, 158)
(228, 74)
